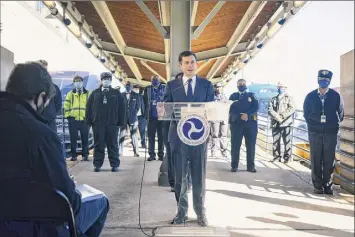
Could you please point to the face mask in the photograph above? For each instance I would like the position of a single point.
(78, 85)
(323, 83)
(281, 91)
(242, 88)
(155, 82)
(128, 88)
(106, 83)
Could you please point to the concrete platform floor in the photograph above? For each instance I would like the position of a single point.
(275, 201)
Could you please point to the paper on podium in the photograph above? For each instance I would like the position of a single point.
(212, 111)
(89, 193)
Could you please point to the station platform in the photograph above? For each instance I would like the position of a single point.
(278, 200)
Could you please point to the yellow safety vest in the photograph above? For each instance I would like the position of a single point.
(75, 105)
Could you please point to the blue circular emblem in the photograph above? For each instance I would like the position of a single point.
(193, 130)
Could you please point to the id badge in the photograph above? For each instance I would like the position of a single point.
(323, 119)
(154, 102)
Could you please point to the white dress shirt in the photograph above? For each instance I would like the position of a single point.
(186, 84)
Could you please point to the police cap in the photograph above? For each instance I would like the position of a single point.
(325, 74)
(107, 75)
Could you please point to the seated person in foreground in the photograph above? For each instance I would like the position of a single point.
(30, 148)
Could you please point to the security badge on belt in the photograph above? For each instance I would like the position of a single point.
(323, 118)
(154, 102)
(249, 99)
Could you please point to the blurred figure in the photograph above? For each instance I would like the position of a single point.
(243, 123)
(30, 150)
(54, 107)
(74, 112)
(281, 109)
(152, 95)
(142, 121)
(323, 110)
(106, 112)
(132, 103)
(219, 129)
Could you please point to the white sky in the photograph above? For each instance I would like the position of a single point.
(314, 39)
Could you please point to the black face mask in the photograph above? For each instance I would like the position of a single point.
(40, 109)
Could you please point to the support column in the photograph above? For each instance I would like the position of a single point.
(180, 40)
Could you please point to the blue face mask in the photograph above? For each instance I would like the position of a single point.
(155, 82)
(242, 88)
(128, 88)
(281, 91)
(323, 83)
(78, 84)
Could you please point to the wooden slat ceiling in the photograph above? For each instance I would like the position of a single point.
(139, 32)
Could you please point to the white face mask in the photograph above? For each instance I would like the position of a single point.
(78, 84)
(106, 83)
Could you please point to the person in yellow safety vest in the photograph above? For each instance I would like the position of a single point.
(74, 111)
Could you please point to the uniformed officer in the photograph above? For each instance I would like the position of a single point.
(323, 111)
(105, 112)
(74, 112)
(243, 123)
(219, 128)
(133, 104)
(281, 109)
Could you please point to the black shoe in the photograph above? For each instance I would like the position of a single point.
(234, 170)
(253, 170)
(161, 158)
(74, 159)
(286, 161)
(97, 169)
(328, 191)
(150, 159)
(86, 158)
(172, 189)
(179, 220)
(202, 220)
(114, 169)
(275, 158)
(224, 154)
(318, 191)
(136, 154)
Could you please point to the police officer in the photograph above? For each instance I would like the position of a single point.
(323, 111)
(133, 105)
(219, 128)
(105, 112)
(281, 108)
(74, 112)
(243, 123)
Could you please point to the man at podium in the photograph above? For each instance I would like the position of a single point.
(189, 88)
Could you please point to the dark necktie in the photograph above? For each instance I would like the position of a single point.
(189, 89)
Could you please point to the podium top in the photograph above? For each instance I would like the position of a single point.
(211, 111)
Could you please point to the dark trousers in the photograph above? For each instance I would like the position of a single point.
(142, 126)
(155, 127)
(74, 127)
(105, 135)
(285, 134)
(169, 157)
(249, 131)
(190, 161)
(322, 151)
(219, 136)
(133, 130)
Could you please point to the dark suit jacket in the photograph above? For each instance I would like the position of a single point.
(147, 97)
(132, 107)
(175, 92)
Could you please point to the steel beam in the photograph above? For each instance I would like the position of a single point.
(153, 71)
(165, 20)
(208, 19)
(220, 52)
(180, 32)
(153, 19)
(194, 12)
(248, 19)
(108, 20)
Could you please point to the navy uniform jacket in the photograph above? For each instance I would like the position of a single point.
(54, 106)
(243, 103)
(132, 107)
(175, 92)
(32, 150)
(333, 109)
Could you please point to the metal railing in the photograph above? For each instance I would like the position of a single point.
(344, 164)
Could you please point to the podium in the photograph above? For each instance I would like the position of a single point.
(193, 123)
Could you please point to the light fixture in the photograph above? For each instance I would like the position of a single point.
(50, 4)
(276, 27)
(298, 3)
(95, 51)
(72, 26)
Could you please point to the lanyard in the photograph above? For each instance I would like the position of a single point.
(322, 99)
